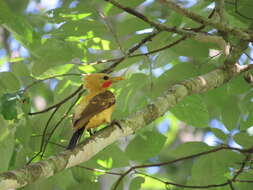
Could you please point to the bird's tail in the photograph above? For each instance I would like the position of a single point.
(77, 134)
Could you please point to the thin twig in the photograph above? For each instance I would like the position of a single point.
(130, 51)
(148, 38)
(139, 54)
(99, 170)
(184, 186)
(60, 121)
(239, 13)
(57, 144)
(244, 181)
(247, 158)
(249, 57)
(172, 161)
(200, 19)
(231, 185)
(110, 28)
(43, 136)
(158, 26)
(51, 77)
(59, 103)
(46, 127)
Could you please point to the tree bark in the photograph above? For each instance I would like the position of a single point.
(85, 151)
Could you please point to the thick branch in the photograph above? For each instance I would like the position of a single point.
(44, 169)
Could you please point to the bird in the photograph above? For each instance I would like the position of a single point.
(96, 107)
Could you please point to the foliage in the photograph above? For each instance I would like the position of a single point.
(44, 52)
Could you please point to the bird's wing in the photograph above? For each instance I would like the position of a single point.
(96, 105)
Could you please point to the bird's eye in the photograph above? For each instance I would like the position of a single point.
(105, 77)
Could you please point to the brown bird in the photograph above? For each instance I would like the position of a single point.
(96, 107)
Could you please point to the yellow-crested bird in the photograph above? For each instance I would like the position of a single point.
(96, 107)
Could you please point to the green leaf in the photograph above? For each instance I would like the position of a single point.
(136, 25)
(244, 139)
(20, 69)
(193, 111)
(81, 174)
(132, 94)
(189, 148)
(213, 168)
(23, 133)
(18, 25)
(9, 81)
(111, 157)
(24, 102)
(245, 124)
(17, 6)
(136, 183)
(238, 85)
(56, 70)
(230, 112)
(7, 143)
(8, 106)
(177, 73)
(51, 55)
(151, 183)
(244, 8)
(219, 134)
(192, 48)
(150, 141)
(120, 186)
(214, 100)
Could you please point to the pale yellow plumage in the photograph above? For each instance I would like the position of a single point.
(96, 107)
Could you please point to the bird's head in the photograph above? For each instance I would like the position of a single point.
(99, 81)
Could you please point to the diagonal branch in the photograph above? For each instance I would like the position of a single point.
(167, 183)
(130, 51)
(85, 151)
(158, 26)
(235, 31)
(66, 159)
(200, 19)
(175, 161)
(59, 103)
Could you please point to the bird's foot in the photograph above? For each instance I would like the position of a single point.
(91, 132)
(114, 122)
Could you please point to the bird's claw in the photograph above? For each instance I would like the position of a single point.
(91, 132)
(114, 122)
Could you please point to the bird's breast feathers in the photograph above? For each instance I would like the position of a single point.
(93, 111)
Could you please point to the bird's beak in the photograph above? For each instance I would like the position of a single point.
(116, 79)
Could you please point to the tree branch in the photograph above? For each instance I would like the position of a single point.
(85, 151)
(130, 51)
(174, 161)
(185, 186)
(59, 103)
(200, 19)
(158, 26)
